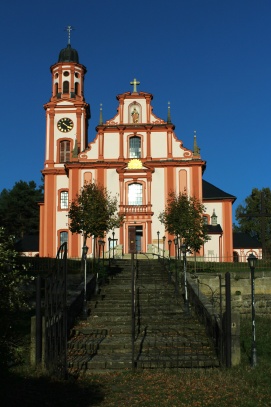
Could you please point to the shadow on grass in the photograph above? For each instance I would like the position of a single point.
(28, 391)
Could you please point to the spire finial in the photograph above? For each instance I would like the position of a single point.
(135, 83)
(101, 114)
(69, 28)
(168, 113)
(196, 148)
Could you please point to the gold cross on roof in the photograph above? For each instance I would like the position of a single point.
(134, 83)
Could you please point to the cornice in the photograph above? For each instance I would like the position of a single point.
(133, 127)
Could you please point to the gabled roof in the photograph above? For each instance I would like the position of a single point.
(214, 229)
(209, 191)
(245, 241)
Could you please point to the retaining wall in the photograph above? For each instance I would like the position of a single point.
(209, 284)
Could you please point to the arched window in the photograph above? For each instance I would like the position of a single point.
(76, 88)
(135, 194)
(66, 87)
(63, 237)
(64, 200)
(135, 147)
(65, 151)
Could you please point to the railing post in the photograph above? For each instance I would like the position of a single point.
(227, 320)
(38, 357)
(133, 312)
(176, 274)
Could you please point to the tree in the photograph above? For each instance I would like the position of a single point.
(93, 212)
(183, 217)
(254, 217)
(19, 210)
(12, 298)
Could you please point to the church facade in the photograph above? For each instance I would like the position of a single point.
(134, 155)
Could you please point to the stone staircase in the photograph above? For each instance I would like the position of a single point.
(165, 335)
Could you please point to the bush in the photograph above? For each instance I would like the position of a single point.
(12, 299)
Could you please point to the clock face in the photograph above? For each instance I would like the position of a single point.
(64, 125)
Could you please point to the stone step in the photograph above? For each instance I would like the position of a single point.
(119, 361)
(116, 361)
(145, 343)
(166, 337)
(181, 362)
(126, 293)
(115, 322)
(114, 328)
(154, 347)
(142, 301)
(109, 310)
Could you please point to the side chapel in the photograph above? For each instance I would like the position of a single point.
(135, 155)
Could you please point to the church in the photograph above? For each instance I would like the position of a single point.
(135, 155)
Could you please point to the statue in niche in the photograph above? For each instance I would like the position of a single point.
(135, 115)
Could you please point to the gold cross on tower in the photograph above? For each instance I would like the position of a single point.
(134, 83)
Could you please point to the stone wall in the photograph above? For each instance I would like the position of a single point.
(212, 285)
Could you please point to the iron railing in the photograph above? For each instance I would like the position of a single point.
(56, 316)
(216, 320)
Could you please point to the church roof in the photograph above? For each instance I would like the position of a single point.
(68, 54)
(245, 241)
(209, 191)
(214, 229)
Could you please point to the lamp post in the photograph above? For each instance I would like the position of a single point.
(169, 246)
(186, 305)
(177, 240)
(164, 241)
(158, 233)
(109, 248)
(85, 307)
(169, 271)
(252, 264)
(176, 273)
(101, 245)
(113, 234)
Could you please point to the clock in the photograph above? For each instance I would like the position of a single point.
(64, 125)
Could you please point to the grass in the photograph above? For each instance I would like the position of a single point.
(239, 386)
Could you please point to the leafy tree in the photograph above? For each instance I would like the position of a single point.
(93, 212)
(19, 210)
(254, 217)
(183, 217)
(12, 298)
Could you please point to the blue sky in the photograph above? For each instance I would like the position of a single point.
(210, 58)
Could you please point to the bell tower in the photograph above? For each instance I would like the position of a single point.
(67, 115)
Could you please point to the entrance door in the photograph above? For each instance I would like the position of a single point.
(139, 234)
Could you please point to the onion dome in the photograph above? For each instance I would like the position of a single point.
(68, 54)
